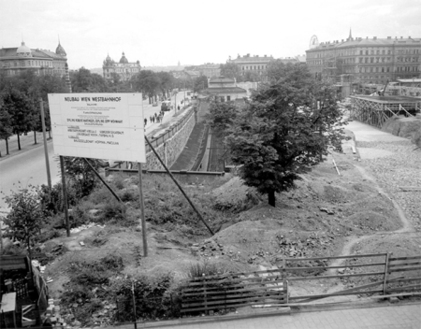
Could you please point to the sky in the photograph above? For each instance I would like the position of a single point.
(193, 32)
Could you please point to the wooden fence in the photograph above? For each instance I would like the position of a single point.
(385, 275)
(228, 291)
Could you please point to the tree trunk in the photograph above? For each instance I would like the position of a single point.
(18, 142)
(7, 146)
(35, 137)
(271, 198)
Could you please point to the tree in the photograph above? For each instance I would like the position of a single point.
(84, 81)
(200, 83)
(21, 109)
(231, 70)
(222, 115)
(147, 82)
(166, 82)
(25, 218)
(285, 130)
(5, 126)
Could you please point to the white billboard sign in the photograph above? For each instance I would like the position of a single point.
(99, 126)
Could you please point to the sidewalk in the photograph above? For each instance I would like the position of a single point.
(387, 316)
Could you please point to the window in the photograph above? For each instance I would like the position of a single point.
(228, 98)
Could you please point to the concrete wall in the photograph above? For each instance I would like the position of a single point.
(173, 143)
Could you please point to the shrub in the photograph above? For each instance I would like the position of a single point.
(114, 211)
(197, 270)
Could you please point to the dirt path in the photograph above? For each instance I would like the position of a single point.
(354, 240)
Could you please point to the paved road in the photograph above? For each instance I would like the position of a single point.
(27, 167)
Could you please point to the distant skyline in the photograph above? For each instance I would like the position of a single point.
(165, 32)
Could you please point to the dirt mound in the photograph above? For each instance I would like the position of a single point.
(235, 196)
(404, 127)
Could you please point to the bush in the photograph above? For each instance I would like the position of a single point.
(114, 211)
(206, 267)
(155, 296)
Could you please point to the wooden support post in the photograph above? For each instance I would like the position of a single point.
(65, 205)
(386, 272)
(142, 208)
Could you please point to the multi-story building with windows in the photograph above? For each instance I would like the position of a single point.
(15, 60)
(124, 69)
(247, 63)
(375, 60)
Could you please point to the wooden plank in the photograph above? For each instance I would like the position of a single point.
(231, 284)
(404, 258)
(405, 269)
(411, 286)
(231, 296)
(405, 280)
(335, 294)
(305, 268)
(336, 257)
(236, 280)
(405, 264)
(386, 273)
(228, 275)
(333, 276)
(227, 302)
(231, 304)
(223, 291)
(222, 307)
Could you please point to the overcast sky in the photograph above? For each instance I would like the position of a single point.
(193, 31)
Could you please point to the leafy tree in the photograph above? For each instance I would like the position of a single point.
(200, 83)
(5, 126)
(222, 115)
(81, 176)
(166, 82)
(231, 70)
(25, 218)
(147, 82)
(21, 109)
(284, 130)
(84, 81)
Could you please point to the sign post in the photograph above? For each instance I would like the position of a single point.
(99, 126)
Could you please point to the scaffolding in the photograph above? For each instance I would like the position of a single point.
(376, 110)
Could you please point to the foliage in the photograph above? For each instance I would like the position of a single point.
(200, 83)
(231, 70)
(84, 81)
(154, 296)
(81, 175)
(147, 82)
(114, 210)
(222, 115)
(24, 220)
(206, 267)
(284, 130)
(5, 123)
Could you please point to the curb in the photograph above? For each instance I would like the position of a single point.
(204, 319)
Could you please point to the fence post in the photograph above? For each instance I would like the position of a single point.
(386, 272)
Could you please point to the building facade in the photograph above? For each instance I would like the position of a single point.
(15, 60)
(124, 69)
(247, 63)
(375, 60)
(225, 89)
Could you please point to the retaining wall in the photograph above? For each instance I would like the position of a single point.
(171, 142)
